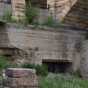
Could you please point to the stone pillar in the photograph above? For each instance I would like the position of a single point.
(18, 9)
(60, 8)
(21, 78)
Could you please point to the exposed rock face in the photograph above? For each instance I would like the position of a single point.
(35, 45)
(78, 15)
(60, 8)
(50, 44)
(21, 78)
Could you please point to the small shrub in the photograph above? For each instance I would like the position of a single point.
(77, 74)
(31, 14)
(41, 70)
(7, 16)
(5, 63)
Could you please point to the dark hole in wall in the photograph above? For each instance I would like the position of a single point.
(58, 66)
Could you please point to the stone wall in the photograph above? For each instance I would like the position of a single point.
(47, 43)
(78, 15)
(84, 60)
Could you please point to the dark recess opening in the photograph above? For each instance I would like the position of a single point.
(60, 66)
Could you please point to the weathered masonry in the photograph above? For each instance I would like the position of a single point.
(18, 9)
(61, 48)
(55, 8)
(43, 45)
(78, 15)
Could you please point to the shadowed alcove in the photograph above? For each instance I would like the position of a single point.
(58, 66)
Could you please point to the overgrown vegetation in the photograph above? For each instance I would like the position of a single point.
(77, 74)
(5, 63)
(31, 14)
(31, 17)
(49, 80)
(62, 81)
(41, 70)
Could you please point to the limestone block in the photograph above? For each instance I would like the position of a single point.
(18, 7)
(51, 45)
